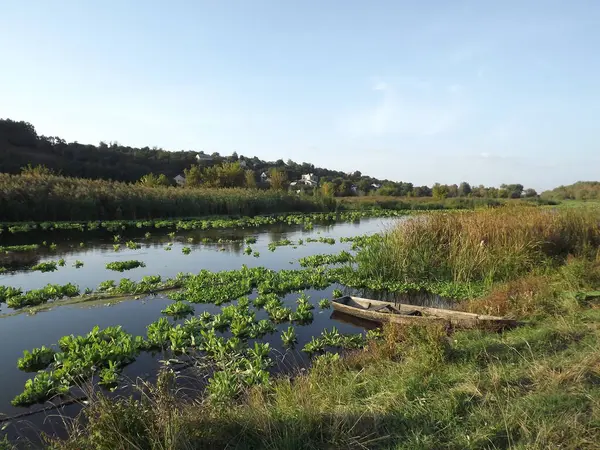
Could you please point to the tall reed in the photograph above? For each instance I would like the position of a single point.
(492, 244)
(53, 198)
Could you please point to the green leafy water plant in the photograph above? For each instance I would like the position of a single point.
(39, 296)
(121, 266)
(324, 303)
(289, 337)
(77, 264)
(48, 266)
(186, 250)
(37, 359)
(133, 245)
(178, 309)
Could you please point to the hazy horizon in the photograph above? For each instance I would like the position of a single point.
(424, 93)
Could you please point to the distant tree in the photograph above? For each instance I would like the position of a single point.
(345, 188)
(193, 176)
(250, 179)
(234, 156)
(530, 193)
(439, 191)
(421, 191)
(512, 190)
(327, 189)
(278, 179)
(464, 190)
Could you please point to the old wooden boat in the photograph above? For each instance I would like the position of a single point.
(380, 311)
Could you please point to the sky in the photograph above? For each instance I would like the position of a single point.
(422, 91)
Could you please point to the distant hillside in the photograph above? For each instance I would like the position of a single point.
(582, 190)
(20, 145)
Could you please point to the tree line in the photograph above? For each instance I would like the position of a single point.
(21, 146)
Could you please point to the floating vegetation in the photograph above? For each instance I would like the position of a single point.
(306, 220)
(178, 309)
(248, 250)
(39, 296)
(334, 338)
(324, 303)
(37, 359)
(321, 260)
(147, 235)
(116, 238)
(289, 337)
(186, 250)
(48, 266)
(77, 264)
(62, 262)
(133, 245)
(321, 239)
(273, 245)
(251, 240)
(121, 266)
(256, 254)
(104, 351)
(116, 247)
(18, 248)
(8, 291)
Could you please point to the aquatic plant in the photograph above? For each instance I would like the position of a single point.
(337, 293)
(133, 245)
(121, 266)
(248, 250)
(289, 337)
(186, 250)
(147, 235)
(48, 266)
(324, 303)
(178, 309)
(321, 260)
(116, 247)
(18, 248)
(43, 295)
(37, 359)
(116, 238)
(77, 264)
(256, 254)
(251, 240)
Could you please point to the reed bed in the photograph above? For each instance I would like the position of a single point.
(489, 245)
(55, 198)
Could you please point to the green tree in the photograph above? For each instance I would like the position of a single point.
(464, 190)
(439, 191)
(250, 179)
(530, 193)
(193, 176)
(327, 189)
(278, 179)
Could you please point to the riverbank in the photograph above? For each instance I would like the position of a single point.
(537, 386)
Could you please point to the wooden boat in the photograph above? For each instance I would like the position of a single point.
(380, 311)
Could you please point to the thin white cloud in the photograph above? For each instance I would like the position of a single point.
(406, 111)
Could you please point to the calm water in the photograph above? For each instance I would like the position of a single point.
(23, 331)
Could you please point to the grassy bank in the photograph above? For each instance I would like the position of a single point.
(55, 198)
(487, 245)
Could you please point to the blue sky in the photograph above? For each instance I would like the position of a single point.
(420, 91)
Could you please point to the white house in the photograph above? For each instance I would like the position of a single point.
(309, 179)
(201, 157)
(180, 180)
(264, 177)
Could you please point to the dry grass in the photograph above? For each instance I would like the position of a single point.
(490, 245)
